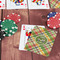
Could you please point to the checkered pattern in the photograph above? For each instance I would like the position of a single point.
(57, 5)
(41, 41)
(54, 3)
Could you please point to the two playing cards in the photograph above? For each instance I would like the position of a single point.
(37, 39)
(24, 37)
(27, 4)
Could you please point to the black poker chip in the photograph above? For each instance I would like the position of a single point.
(2, 34)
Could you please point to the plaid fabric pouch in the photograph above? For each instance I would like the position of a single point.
(55, 3)
(41, 41)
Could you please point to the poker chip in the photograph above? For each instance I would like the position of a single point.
(9, 27)
(2, 34)
(13, 16)
(54, 22)
(0, 23)
(51, 14)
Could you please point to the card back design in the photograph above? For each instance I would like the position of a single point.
(41, 41)
(54, 3)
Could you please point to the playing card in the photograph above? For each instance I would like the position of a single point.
(41, 41)
(2, 4)
(16, 4)
(23, 37)
(38, 4)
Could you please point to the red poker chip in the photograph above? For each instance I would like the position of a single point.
(54, 22)
(15, 17)
(4, 18)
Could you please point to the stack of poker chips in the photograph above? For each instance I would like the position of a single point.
(53, 20)
(17, 2)
(8, 26)
(41, 41)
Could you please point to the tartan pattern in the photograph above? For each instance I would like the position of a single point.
(44, 45)
(54, 3)
(57, 5)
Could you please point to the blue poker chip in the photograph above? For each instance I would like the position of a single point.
(0, 23)
(51, 14)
